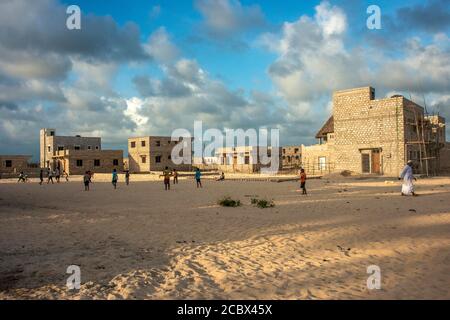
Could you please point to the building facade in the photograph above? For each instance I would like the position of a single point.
(154, 153)
(246, 159)
(378, 136)
(77, 162)
(14, 163)
(50, 144)
(76, 154)
(291, 157)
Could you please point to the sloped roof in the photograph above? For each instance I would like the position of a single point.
(328, 127)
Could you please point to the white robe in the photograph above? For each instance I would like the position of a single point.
(407, 176)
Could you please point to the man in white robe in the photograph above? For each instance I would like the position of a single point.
(407, 176)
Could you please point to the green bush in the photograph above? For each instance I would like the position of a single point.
(263, 203)
(228, 202)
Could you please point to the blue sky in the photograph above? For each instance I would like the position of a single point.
(149, 67)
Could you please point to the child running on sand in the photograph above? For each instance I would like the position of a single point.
(198, 176)
(86, 180)
(303, 181)
(166, 174)
(41, 177)
(127, 177)
(175, 176)
(22, 177)
(50, 176)
(66, 175)
(57, 175)
(115, 178)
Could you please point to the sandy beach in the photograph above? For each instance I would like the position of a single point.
(141, 242)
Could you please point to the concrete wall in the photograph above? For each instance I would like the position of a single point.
(154, 147)
(68, 161)
(18, 163)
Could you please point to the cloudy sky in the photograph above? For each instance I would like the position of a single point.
(147, 67)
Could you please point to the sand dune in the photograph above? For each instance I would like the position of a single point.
(140, 242)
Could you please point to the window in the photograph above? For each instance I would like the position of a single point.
(77, 147)
(96, 147)
(115, 162)
(60, 148)
(142, 143)
(158, 143)
(295, 150)
(8, 163)
(158, 159)
(89, 147)
(247, 160)
(169, 157)
(79, 163)
(52, 133)
(143, 159)
(133, 144)
(97, 163)
(49, 149)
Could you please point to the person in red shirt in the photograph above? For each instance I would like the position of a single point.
(303, 181)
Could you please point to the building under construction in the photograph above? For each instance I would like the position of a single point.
(378, 136)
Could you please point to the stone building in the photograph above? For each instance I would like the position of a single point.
(14, 163)
(245, 159)
(76, 154)
(291, 157)
(77, 162)
(154, 153)
(368, 135)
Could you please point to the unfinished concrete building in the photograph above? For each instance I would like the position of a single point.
(10, 164)
(245, 159)
(154, 153)
(291, 157)
(368, 135)
(76, 154)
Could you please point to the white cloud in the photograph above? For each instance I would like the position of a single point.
(160, 47)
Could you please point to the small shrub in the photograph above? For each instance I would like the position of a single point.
(263, 203)
(228, 202)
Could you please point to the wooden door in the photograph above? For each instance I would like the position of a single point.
(376, 161)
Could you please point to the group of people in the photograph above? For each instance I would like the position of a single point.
(167, 173)
(87, 179)
(49, 173)
(52, 174)
(406, 175)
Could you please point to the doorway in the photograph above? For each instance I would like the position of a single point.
(376, 161)
(371, 161)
